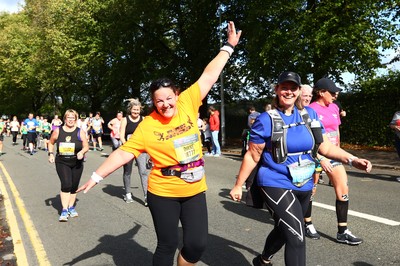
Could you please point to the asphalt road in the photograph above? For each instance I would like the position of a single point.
(109, 231)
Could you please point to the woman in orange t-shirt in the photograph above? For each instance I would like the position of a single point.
(177, 185)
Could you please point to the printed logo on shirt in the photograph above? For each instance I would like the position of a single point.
(163, 136)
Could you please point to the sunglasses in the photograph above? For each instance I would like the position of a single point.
(164, 83)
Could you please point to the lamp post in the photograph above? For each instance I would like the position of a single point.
(221, 77)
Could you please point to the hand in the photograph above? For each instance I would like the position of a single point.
(313, 191)
(362, 164)
(87, 186)
(233, 36)
(79, 155)
(326, 165)
(236, 193)
(51, 158)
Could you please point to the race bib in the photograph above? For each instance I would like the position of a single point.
(66, 149)
(333, 137)
(187, 149)
(301, 171)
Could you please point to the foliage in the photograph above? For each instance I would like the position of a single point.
(93, 55)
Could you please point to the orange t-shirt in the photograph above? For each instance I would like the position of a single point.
(170, 143)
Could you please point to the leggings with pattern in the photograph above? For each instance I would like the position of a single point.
(287, 208)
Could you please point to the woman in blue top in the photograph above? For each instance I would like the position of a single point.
(286, 186)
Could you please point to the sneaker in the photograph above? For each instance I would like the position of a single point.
(101, 149)
(398, 179)
(258, 261)
(128, 198)
(217, 155)
(311, 232)
(72, 212)
(348, 238)
(63, 216)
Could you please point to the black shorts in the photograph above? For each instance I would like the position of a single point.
(32, 137)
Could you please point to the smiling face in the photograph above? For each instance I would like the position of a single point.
(164, 100)
(287, 94)
(70, 119)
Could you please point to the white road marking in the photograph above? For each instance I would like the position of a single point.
(360, 214)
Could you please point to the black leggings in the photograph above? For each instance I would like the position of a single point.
(14, 136)
(70, 176)
(166, 213)
(287, 208)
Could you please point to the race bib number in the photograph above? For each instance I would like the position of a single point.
(301, 171)
(66, 149)
(187, 149)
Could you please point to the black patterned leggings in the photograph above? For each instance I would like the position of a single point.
(287, 208)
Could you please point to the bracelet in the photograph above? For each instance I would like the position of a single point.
(322, 158)
(96, 177)
(227, 49)
(351, 159)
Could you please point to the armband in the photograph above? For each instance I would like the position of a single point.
(96, 177)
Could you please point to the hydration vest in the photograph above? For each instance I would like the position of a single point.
(279, 133)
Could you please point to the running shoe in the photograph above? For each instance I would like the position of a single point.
(257, 261)
(348, 238)
(398, 179)
(63, 216)
(128, 198)
(311, 232)
(72, 212)
(101, 149)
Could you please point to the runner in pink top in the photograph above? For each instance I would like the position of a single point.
(330, 118)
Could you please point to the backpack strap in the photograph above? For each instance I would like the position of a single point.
(279, 134)
(278, 137)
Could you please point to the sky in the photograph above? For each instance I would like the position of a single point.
(13, 6)
(10, 6)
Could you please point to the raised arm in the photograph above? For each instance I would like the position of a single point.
(214, 68)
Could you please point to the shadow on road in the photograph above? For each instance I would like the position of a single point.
(383, 177)
(123, 249)
(119, 192)
(261, 215)
(55, 202)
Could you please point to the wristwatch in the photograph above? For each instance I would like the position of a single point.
(49, 153)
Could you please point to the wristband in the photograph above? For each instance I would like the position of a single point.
(227, 49)
(350, 160)
(96, 177)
